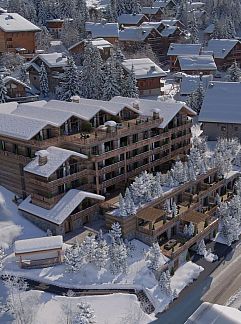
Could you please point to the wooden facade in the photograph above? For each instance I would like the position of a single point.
(15, 41)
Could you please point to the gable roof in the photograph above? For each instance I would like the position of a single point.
(150, 10)
(38, 244)
(56, 157)
(13, 22)
(136, 33)
(184, 49)
(197, 62)
(102, 29)
(52, 59)
(100, 43)
(146, 107)
(164, 3)
(64, 207)
(130, 19)
(221, 47)
(143, 68)
(190, 83)
(221, 103)
(10, 78)
(169, 30)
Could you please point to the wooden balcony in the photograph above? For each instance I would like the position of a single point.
(85, 212)
(48, 200)
(20, 158)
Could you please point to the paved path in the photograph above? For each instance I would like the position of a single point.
(219, 281)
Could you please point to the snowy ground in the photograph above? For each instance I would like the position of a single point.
(108, 309)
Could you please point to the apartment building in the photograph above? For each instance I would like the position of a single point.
(63, 157)
(17, 34)
(196, 203)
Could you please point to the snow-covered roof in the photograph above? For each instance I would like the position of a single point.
(52, 59)
(146, 107)
(102, 29)
(190, 83)
(197, 62)
(56, 156)
(222, 103)
(163, 3)
(152, 24)
(168, 31)
(56, 46)
(130, 19)
(170, 22)
(98, 42)
(10, 78)
(19, 127)
(214, 313)
(221, 47)
(13, 22)
(184, 49)
(209, 29)
(64, 207)
(38, 244)
(8, 107)
(144, 68)
(150, 10)
(135, 33)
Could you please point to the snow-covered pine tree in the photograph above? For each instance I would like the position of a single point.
(101, 254)
(191, 229)
(23, 75)
(174, 209)
(73, 258)
(218, 200)
(155, 257)
(193, 29)
(110, 87)
(92, 75)
(165, 283)
(84, 314)
(43, 39)
(234, 73)
(116, 232)
(122, 206)
(88, 248)
(177, 172)
(82, 15)
(70, 81)
(131, 90)
(3, 90)
(195, 100)
(43, 81)
(118, 258)
(201, 248)
(182, 12)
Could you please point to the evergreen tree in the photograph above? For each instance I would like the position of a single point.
(43, 81)
(234, 73)
(165, 283)
(84, 314)
(201, 248)
(3, 90)
(155, 257)
(193, 29)
(43, 39)
(195, 100)
(116, 232)
(101, 254)
(185, 230)
(111, 87)
(73, 258)
(131, 89)
(118, 257)
(190, 229)
(70, 81)
(88, 248)
(122, 206)
(2, 255)
(182, 12)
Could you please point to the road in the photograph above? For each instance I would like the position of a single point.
(216, 284)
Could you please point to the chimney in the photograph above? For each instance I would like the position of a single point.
(152, 68)
(136, 105)
(111, 126)
(103, 21)
(156, 114)
(42, 157)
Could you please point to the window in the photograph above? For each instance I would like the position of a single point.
(9, 39)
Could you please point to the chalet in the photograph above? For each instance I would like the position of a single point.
(16, 88)
(54, 64)
(55, 26)
(190, 83)
(173, 22)
(129, 37)
(225, 51)
(148, 75)
(153, 13)
(39, 252)
(101, 44)
(17, 34)
(176, 50)
(220, 112)
(128, 20)
(108, 31)
(196, 64)
(169, 7)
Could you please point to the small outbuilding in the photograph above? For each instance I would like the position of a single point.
(39, 252)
